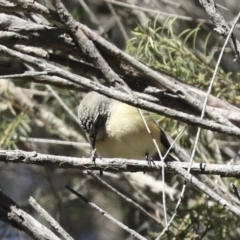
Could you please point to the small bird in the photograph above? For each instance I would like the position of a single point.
(117, 130)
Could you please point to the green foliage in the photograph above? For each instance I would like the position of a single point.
(8, 129)
(181, 55)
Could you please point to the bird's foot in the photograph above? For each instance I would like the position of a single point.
(94, 156)
(148, 159)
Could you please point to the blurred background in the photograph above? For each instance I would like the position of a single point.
(172, 36)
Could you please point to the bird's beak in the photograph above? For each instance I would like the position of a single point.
(93, 140)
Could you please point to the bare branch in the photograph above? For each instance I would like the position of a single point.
(125, 198)
(59, 39)
(158, 78)
(86, 45)
(107, 215)
(221, 26)
(49, 219)
(228, 111)
(51, 120)
(12, 214)
(28, 6)
(51, 69)
(115, 164)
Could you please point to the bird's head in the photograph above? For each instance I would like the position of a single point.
(93, 113)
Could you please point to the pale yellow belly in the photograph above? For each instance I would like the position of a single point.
(128, 138)
(136, 147)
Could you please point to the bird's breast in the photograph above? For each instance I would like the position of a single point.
(126, 135)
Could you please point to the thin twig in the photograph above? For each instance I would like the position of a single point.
(50, 141)
(125, 198)
(199, 129)
(12, 214)
(63, 104)
(235, 190)
(91, 15)
(49, 219)
(112, 93)
(107, 215)
(185, 18)
(86, 45)
(119, 23)
(163, 174)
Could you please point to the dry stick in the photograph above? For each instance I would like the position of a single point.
(161, 158)
(221, 26)
(49, 219)
(125, 198)
(153, 75)
(86, 45)
(141, 193)
(65, 107)
(50, 141)
(22, 102)
(199, 129)
(127, 165)
(82, 33)
(114, 164)
(118, 21)
(112, 93)
(235, 190)
(91, 15)
(71, 46)
(30, 6)
(14, 215)
(42, 77)
(163, 173)
(107, 215)
(148, 10)
(30, 225)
